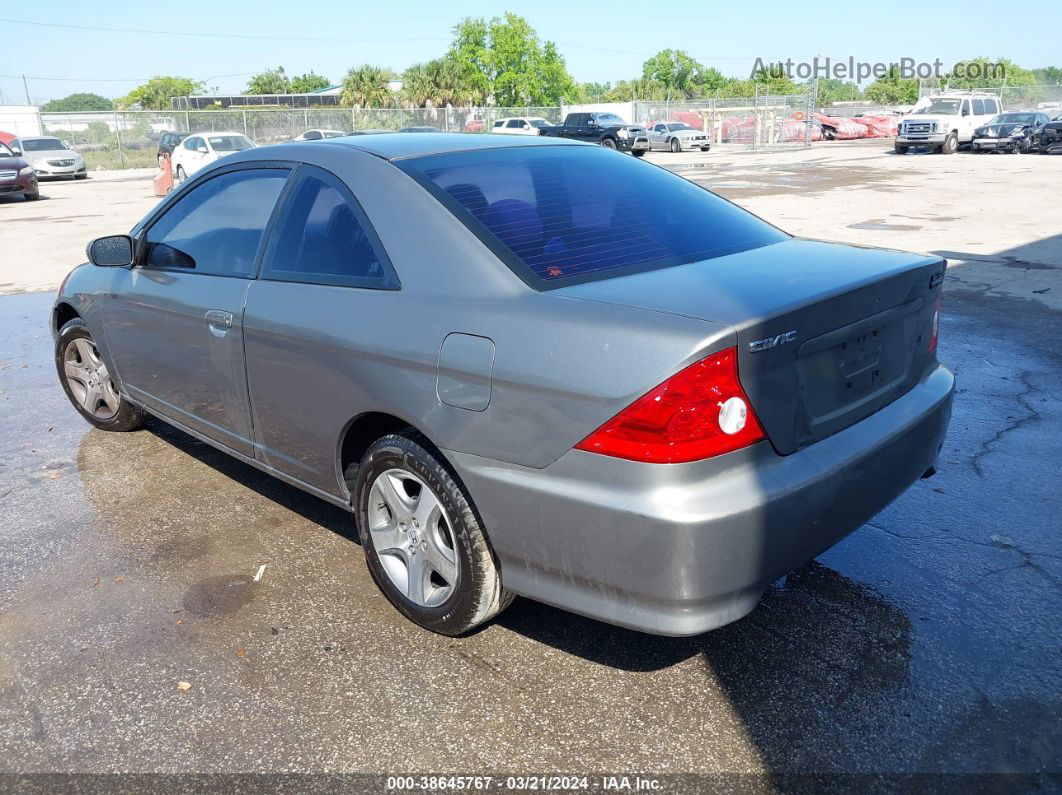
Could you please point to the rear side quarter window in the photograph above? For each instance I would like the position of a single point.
(322, 236)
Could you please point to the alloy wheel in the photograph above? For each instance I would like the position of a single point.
(88, 379)
(413, 538)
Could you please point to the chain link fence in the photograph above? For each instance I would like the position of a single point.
(759, 122)
(129, 139)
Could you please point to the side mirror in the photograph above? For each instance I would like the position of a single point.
(965, 111)
(113, 251)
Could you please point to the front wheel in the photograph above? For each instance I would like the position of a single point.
(950, 145)
(423, 540)
(34, 196)
(81, 176)
(181, 175)
(901, 149)
(676, 145)
(88, 383)
(608, 143)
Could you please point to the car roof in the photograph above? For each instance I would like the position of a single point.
(397, 146)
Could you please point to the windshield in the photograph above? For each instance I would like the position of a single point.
(229, 143)
(679, 126)
(41, 144)
(610, 120)
(1014, 118)
(532, 206)
(5, 152)
(945, 107)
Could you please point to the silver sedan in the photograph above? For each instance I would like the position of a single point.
(50, 157)
(677, 136)
(525, 365)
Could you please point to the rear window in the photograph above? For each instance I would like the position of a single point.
(576, 213)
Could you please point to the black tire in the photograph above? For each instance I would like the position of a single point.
(127, 418)
(609, 143)
(181, 175)
(32, 197)
(901, 149)
(478, 594)
(639, 152)
(81, 176)
(950, 145)
(676, 145)
(705, 148)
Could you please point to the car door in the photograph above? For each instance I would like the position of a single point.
(315, 327)
(174, 321)
(657, 135)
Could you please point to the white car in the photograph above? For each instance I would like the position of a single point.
(200, 149)
(943, 121)
(676, 136)
(317, 135)
(50, 157)
(519, 125)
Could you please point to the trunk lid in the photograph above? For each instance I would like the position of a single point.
(826, 333)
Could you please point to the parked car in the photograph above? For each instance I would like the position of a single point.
(653, 405)
(519, 125)
(1048, 139)
(201, 149)
(50, 157)
(1008, 132)
(421, 129)
(606, 129)
(168, 141)
(17, 177)
(944, 121)
(318, 135)
(676, 136)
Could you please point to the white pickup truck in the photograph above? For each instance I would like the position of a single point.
(943, 121)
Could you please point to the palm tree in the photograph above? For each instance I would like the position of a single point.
(366, 87)
(449, 84)
(418, 90)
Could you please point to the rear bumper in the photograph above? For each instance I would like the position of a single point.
(681, 549)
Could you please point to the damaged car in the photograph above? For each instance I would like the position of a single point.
(1008, 132)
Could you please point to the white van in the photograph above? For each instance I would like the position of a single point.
(943, 121)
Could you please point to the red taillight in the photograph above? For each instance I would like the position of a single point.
(699, 412)
(934, 335)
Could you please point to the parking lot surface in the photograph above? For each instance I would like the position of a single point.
(928, 641)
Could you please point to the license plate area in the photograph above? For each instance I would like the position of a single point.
(850, 372)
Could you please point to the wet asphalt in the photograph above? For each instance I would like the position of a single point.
(928, 641)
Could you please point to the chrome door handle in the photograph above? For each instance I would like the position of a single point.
(219, 321)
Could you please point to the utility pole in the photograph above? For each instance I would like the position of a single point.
(25, 85)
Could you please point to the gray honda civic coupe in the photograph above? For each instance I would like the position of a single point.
(526, 365)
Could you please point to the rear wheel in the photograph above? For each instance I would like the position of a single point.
(639, 152)
(676, 145)
(88, 383)
(423, 540)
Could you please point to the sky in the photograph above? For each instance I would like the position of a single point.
(600, 41)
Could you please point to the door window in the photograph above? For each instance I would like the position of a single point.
(323, 237)
(979, 107)
(191, 144)
(515, 123)
(991, 106)
(216, 228)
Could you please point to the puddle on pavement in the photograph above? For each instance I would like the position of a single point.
(217, 596)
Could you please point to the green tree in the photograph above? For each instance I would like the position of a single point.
(639, 88)
(308, 83)
(271, 81)
(891, 89)
(78, 102)
(988, 74)
(680, 73)
(503, 60)
(1048, 75)
(157, 92)
(366, 87)
(831, 90)
(594, 92)
(418, 90)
